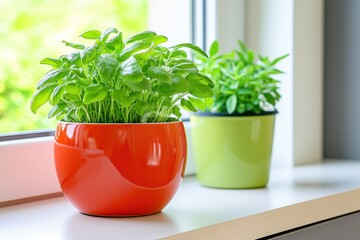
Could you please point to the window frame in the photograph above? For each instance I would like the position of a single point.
(26, 135)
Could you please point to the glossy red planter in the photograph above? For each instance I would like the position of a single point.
(120, 169)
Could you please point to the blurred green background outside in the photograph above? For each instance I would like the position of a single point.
(31, 30)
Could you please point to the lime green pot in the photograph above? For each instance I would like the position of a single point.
(233, 151)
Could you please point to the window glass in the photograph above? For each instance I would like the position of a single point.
(31, 30)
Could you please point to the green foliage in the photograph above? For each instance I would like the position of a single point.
(122, 81)
(242, 84)
(28, 30)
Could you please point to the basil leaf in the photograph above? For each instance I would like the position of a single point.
(56, 95)
(41, 96)
(73, 88)
(199, 104)
(184, 68)
(88, 54)
(191, 46)
(92, 34)
(94, 93)
(52, 62)
(106, 65)
(57, 110)
(200, 85)
(131, 71)
(123, 99)
(143, 85)
(159, 39)
(53, 76)
(159, 74)
(187, 105)
(136, 47)
(74, 45)
(180, 84)
(140, 36)
(116, 43)
(165, 89)
(104, 36)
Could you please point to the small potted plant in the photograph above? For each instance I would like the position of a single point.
(233, 138)
(120, 146)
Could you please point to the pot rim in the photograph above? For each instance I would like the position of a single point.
(222, 114)
(109, 124)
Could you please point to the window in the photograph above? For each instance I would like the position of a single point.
(32, 35)
(34, 29)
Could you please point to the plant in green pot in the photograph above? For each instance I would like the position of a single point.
(232, 138)
(120, 146)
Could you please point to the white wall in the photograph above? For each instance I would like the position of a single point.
(269, 31)
(274, 28)
(308, 80)
(225, 22)
(175, 22)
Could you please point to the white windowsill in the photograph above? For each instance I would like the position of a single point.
(192, 207)
(28, 169)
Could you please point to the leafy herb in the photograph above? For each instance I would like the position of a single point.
(122, 81)
(242, 84)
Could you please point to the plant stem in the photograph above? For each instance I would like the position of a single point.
(99, 112)
(87, 114)
(180, 96)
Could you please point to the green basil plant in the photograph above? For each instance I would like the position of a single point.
(123, 81)
(243, 84)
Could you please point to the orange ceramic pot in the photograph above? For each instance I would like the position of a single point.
(120, 169)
